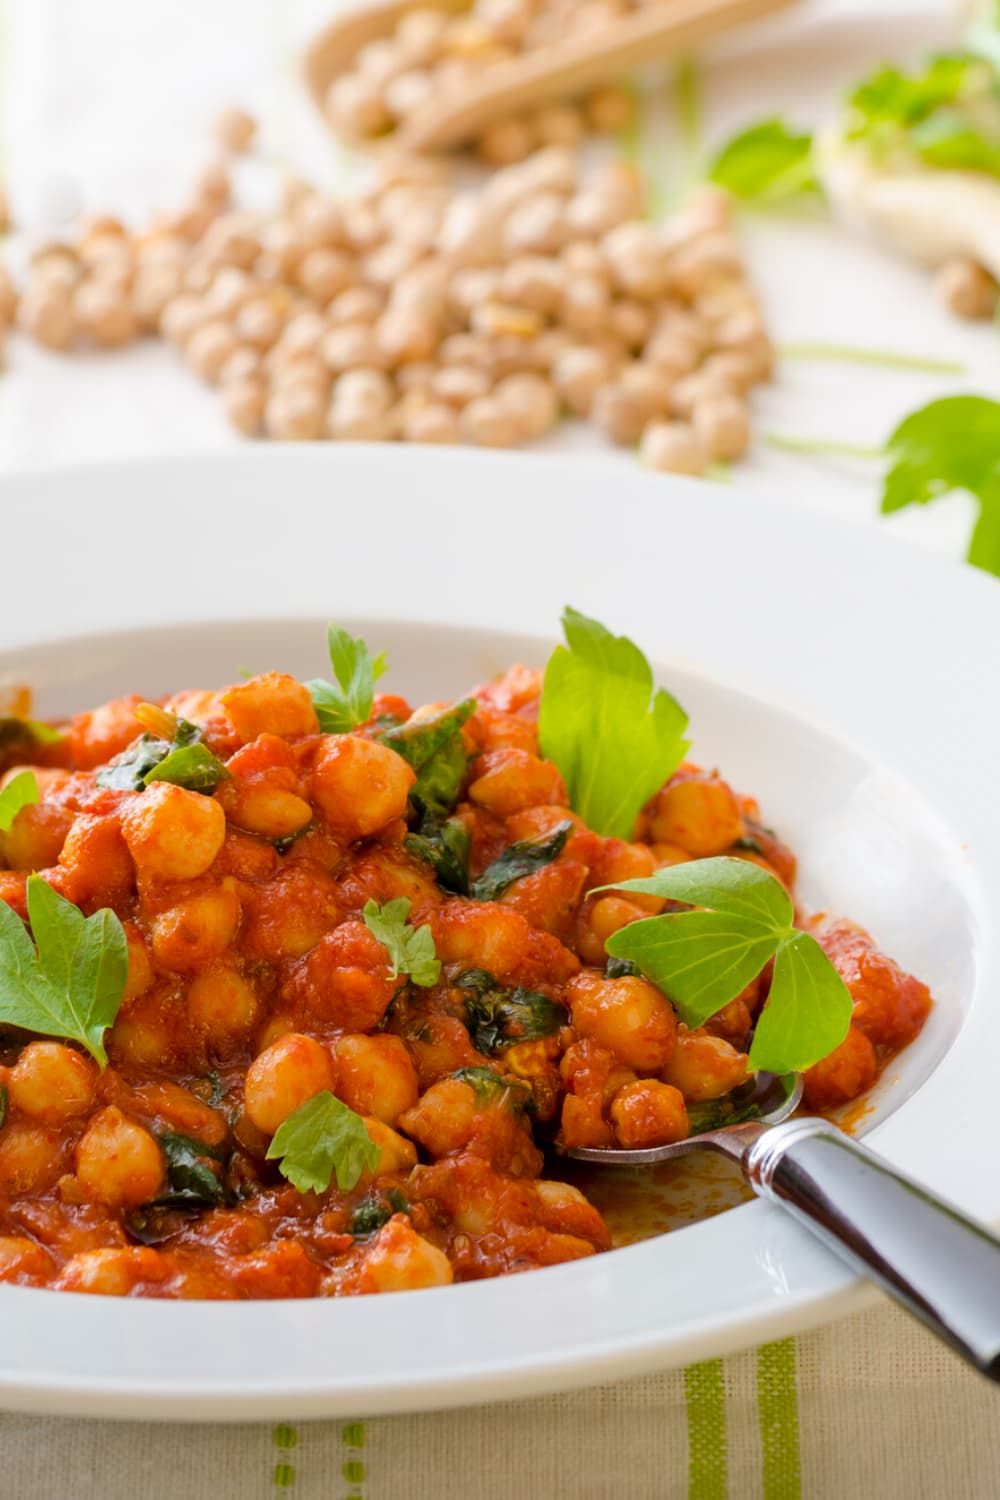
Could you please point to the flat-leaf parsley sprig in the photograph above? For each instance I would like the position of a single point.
(70, 981)
(323, 1138)
(410, 949)
(615, 737)
(347, 702)
(20, 791)
(703, 958)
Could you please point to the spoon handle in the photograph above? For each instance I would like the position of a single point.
(942, 1267)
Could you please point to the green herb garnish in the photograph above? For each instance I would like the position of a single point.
(320, 1140)
(499, 1017)
(377, 1209)
(184, 761)
(343, 705)
(433, 747)
(445, 847)
(945, 114)
(703, 959)
(193, 1183)
(20, 791)
(411, 949)
(525, 857)
(952, 444)
(493, 1090)
(15, 730)
(766, 163)
(615, 738)
(70, 981)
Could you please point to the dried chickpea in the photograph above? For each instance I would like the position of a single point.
(235, 129)
(488, 423)
(559, 125)
(434, 423)
(531, 400)
(579, 373)
(967, 289)
(105, 314)
(209, 347)
(355, 107)
(673, 447)
(295, 413)
(48, 316)
(610, 109)
(507, 141)
(722, 427)
(182, 316)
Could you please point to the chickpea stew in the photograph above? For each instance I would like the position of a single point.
(299, 984)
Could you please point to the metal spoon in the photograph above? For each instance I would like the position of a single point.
(934, 1260)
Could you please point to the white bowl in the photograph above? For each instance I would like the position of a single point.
(890, 808)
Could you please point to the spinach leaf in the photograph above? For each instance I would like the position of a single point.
(375, 1210)
(521, 859)
(185, 761)
(620, 968)
(16, 732)
(499, 1017)
(445, 847)
(193, 1183)
(494, 1090)
(433, 747)
(20, 791)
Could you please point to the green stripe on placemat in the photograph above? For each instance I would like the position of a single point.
(778, 1415)
(705, 1403)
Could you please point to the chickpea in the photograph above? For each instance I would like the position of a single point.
(291, 1071)
(673, 447)
(155, 286)
(579, 373)
(511, 780)
(967, 289)
(8, 296)
(24, 1262)
(244, 402)
(213, 185)
(105, 314)
(627, 1016)
(420, 35)
(507, 141)
(182, 316)
(490, 424)
(295, 414)
(404, 335)
(258, 323)
(435, 423)
(538, 224)
(324, 273)
(270, 703)
(111, 1272)
(459, 384)
(606, 916)
(32, 1157)
(610, 109)
(350, 422)
(197, 930)
(209, 347)
(118, 1163)
(722, 427)
(359, 785)
(649, 1113)
(559, 125)
(848, 1071)
(355, 107)
(704, 1067)
(375, 1076)
(637, 259)
(140, 966)
(531, 399)
(235, 130)
(622, 414)
(48, 317)
(358, 304)
(52, 1083)
(221, 1003)
(699, 815)
(232, 239)
(171, 833)
(402, 1260)
(690, 392)
(396, 1153)
(350, 347)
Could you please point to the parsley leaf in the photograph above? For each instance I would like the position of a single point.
(343, 706)
(943, 114)
(952, 444)
(703, 959)
(320, 1140)
(70, 981)
(613, 736)
(766, 163)
(20, 791)
(411, 949)
(521, 859)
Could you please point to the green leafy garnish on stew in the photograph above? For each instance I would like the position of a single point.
(15, 730)
(614, 736)
(433, 747)
(444, 845)
(193, 1182)
(411, 949)
(344, 704)
(734, 1108)
(952, 444)
(703, 959)
(523, 858)
(20, 791)
(185, 761)
(70, 981)
(493, 1090)
(377, 1209)
(321, 1140)
(499, 1017)
(766, 163)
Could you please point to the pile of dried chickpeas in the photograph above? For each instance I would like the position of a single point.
(432, 53)
(417, 312)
